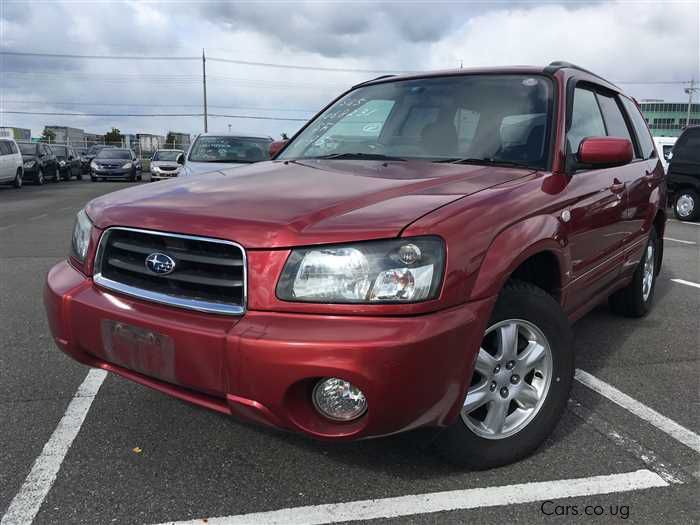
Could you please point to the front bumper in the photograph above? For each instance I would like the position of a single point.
(262, 366)
(161, 175)
(115, 173)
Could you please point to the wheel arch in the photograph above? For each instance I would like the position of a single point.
(532, 251)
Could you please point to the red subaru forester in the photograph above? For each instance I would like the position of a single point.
(413, 257)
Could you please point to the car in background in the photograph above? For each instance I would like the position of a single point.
(90, 154)
(114, 163)
(10, 162)
(218, 151)
(39, 162)
(68, 162)
(664, 145)
(683, 176)
(165, 165)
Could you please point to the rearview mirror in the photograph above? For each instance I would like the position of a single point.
(276, 146)
(605, 151)
(180, 159)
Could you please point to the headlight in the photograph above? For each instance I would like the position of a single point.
(81, 236)
(30, 164)
(126, 165)
(61, 162)
(395, 271)
(154, 169)
(93, 165)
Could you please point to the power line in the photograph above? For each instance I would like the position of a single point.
(122, 104)
(95, 57)
(52, 113)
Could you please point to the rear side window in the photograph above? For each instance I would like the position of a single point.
(614, 121)
(586, 120)
(687, 149)
(4, 147)
(13, 147)
(646, 143)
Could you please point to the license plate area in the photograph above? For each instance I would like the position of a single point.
(135, 348)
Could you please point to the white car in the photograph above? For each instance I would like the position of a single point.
(664, 146)
(11, 167)
(165, 165)
(217, 151)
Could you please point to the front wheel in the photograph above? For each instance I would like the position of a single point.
(520, 384)
(687, 205)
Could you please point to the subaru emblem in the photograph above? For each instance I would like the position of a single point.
(160, 264)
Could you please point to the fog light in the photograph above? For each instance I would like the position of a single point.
(338, 399)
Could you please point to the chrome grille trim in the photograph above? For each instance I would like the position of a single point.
(167, 299)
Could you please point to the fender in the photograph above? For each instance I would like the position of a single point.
(513, 246)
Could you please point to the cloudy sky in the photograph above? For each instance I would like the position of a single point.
(639, 44)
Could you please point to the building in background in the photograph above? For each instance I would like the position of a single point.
(16, 133)
(66, 135)
(668, 119)
(176, 140)
(93, 138)
(147, 144)
(129, 140)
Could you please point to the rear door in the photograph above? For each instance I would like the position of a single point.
(5, 161)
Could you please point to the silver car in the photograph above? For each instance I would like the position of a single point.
(165, 165)
(216, 151)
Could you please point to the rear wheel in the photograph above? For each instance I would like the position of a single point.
(520, 385)
(687, 205)
(636, 298)
(17, 183)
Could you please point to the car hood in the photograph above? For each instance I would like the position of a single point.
(168, 163)
(282, 204)
(197, 168)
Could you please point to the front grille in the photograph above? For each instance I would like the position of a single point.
(209, 274)
(167, 168)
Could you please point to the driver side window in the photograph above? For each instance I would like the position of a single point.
(586, 119)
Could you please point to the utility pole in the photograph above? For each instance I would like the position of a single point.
(229, 128)
(204, 83)
(690, 91)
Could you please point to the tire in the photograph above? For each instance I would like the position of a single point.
(686, 206)
(472, 441)
(79, 176)
(17, 183)
(39, 178)
(635, 299)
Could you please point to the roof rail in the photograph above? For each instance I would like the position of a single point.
(372, 80)
(561, 64)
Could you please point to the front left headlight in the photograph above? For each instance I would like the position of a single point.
(81, 236)
(61, 163)
(404, 270)
(29, 164)
(126, 166)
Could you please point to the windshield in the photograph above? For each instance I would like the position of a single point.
(109, 153)
(27, 149)
(59, 151)
(169, 155)
(477, 117)
(95, 149)
(229, 149)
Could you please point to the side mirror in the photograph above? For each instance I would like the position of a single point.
(180, 159)
(605, 151)
(276, 146)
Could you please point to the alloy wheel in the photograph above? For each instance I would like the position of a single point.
(648, 276)
(511, 380)
(685, 205)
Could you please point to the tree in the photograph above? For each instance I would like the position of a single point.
(48, 136)
(113, 137)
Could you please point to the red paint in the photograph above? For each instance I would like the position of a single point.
(605, 151)
(413, 361)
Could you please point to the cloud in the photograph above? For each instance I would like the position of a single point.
(622, 40)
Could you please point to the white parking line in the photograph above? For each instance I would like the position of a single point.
(25, 505)
(444, 501)
(6, 226)
(687, 283)
(678, 240)
(667, 425)
(36, 217)
(685, 222)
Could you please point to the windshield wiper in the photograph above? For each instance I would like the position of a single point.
(358, 156)
(484, 162)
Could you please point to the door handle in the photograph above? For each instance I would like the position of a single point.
(617, 186)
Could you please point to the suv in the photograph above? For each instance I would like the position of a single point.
(39, 162)
(10, 162)
(413, 257)
(684, 175)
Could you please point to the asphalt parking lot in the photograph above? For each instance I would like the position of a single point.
(141, 457)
